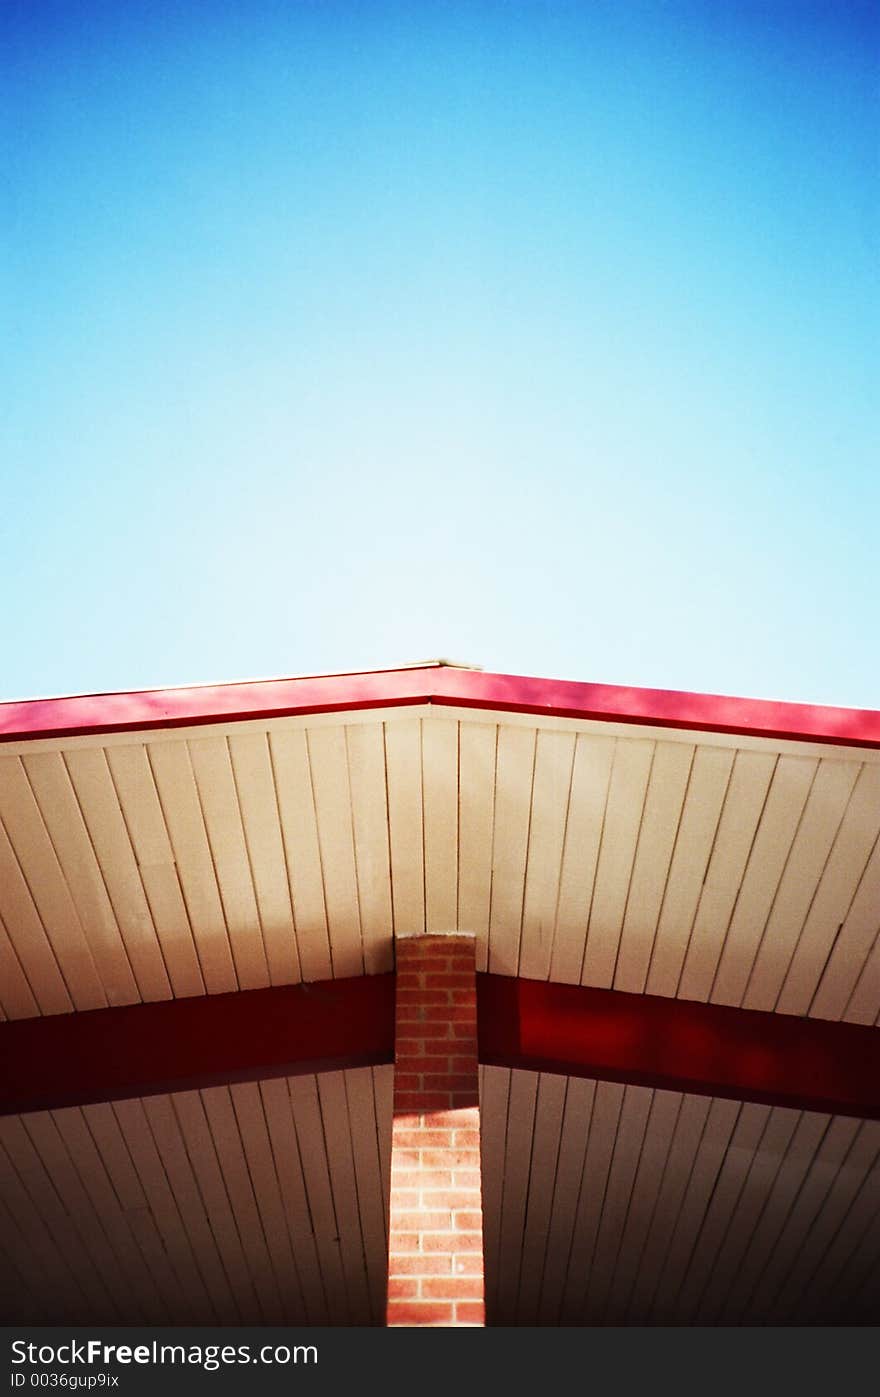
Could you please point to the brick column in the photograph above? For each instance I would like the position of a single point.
(435, 1262)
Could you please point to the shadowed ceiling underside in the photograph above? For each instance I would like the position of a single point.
(267, 1203)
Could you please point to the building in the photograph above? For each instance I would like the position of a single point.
(652, 918)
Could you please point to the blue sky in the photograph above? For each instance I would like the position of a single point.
(542, 336)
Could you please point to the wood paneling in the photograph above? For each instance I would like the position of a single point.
(652, 1207)
(181, 864)
(256, 1203)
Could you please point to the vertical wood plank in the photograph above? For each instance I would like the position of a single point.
(634, 1305)
(214, 1157)
(73, 849)
(547, 1139)
(494, 1096)
(313, 1154)
(515, 1186)
(182, 1290)
(369, 1187)
(203, 966)
(337, 1134)
(591, 775)
(554, 761)
(28, 935)
(576, 1119)
(652, 1167)
(823, 984)
(329, 765)
(232, 1306)
(403, 763)
(91, 780)
(238, 1185)
(786, 799)
(514, 769)
(710, 776)
(597, 1161)
(218, 798)
(15, 993)
(440, 798)
(258, 804)
(628, 1145)
(740, 814)
(806, 862)
(757, 1301)
(670, 772)
(476, 814)
(39, 866)
(710, 1158)
(623, 816)
(106, 1213)
(293, 783)
(129, 1120)
(275, 1099)
(369, 813)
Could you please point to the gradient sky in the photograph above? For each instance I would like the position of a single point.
(542, 336)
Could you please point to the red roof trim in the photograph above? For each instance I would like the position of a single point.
(228, 703)
(678, 1045)
(178, 1044)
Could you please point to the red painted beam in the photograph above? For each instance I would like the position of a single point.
(143, 1049)
(743, 1054)
(444, 685)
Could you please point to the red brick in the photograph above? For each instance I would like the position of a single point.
(470, 1312)
(455, 1242)
(404, 1159)
(430, 1101)
(421, 1178)
(436, 1120)
(454, 1288)
(424, 1138)
(459, 1099)
(419, 1063)
(417, 1221)
(402, 1288)
(467, 1139)
(453, 1159)
(421, 1265)
(437, 1081)
(435, 1140)
(469, 1265)
(422, 996)
(444, 1013)
(467, 1178)
(451, 1198)
(468, 1222)
(410, 1241)
(464, 994)
(406, 1081)
(407, 979)
(420, 1312)
(458, 980)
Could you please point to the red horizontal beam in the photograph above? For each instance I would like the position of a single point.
(143, 1049)
(445, 685)
(742, 1054)
(139, 1050)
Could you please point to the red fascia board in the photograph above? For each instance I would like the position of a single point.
(680, 1045)
(173, 1045)
(709, 1049)
(444, 685)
